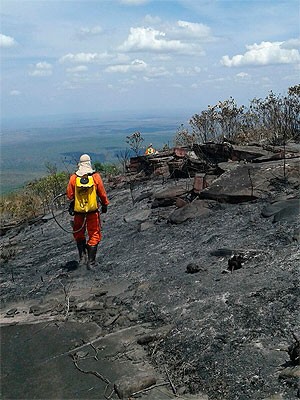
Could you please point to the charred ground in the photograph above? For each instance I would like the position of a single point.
(223, 329)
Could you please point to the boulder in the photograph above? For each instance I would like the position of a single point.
(167, 197)
(287, 214)
(284, 210)
(126, 386)
(138, 215)
(171, 192)
(145, 226)
(163, 202)
(197, 208)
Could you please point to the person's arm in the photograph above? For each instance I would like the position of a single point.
(101, 192)
(71, 187)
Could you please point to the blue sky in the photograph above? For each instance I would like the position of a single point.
(141, 56)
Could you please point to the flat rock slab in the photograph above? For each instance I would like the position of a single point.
(197, 208)
(171, 192)
(38, 362)
(248, 181)
(228, 165)
(284, 210)
(137, 216)
(32, 365)
(249, 153)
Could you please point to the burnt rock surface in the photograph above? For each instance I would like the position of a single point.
(210, 333)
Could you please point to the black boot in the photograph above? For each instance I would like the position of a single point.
(81, 245)
(92, 251)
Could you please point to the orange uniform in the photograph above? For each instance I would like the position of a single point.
(92, 219)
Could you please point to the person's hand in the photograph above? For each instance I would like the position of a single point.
(71, 208)
(104, 209)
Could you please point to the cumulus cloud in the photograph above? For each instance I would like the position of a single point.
(134, 66)
(142, 39)
(291, 44)
(265, 53)
(84, 57)
(7, 41)
(41, 69)
(100, 58)
(15, 92)
(193, 30)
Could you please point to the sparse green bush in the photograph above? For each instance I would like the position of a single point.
(135, 142)
(273, 120)
(184, 138)
(218, 122)
(106, 170)
(124, 156)
(48, 187)
(35, 198)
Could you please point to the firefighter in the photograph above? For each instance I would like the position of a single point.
(84, 189)
(150, 150)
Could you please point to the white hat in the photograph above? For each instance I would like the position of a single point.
(84, 165)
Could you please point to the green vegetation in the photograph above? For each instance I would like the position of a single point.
(273, 120)
(35, 198)
(107, 170)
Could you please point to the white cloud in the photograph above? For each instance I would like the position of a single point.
(134, 2)
(291, 44)
(87, 32)
(41, 68)
(157, 72)
(77, 69)
(139, 66)
(84, 57)
(134, 66)
(15, 92)
(149, 39)
(242, 75)
(188, 70)
(7, 41)
(43, 65)
(93, 58)
(265, 53)
(152, 20)
(193, 30)
(71, 85)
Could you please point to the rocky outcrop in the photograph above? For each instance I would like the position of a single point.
(222, 278)
(246, 182)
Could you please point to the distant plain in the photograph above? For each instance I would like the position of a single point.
(28, 145)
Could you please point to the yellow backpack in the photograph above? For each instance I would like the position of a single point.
(85, 194)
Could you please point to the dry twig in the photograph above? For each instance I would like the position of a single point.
(67, 299)
(150, 388)
(96, 373)
(170, 381)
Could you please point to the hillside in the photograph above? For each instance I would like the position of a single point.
(168, 308)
